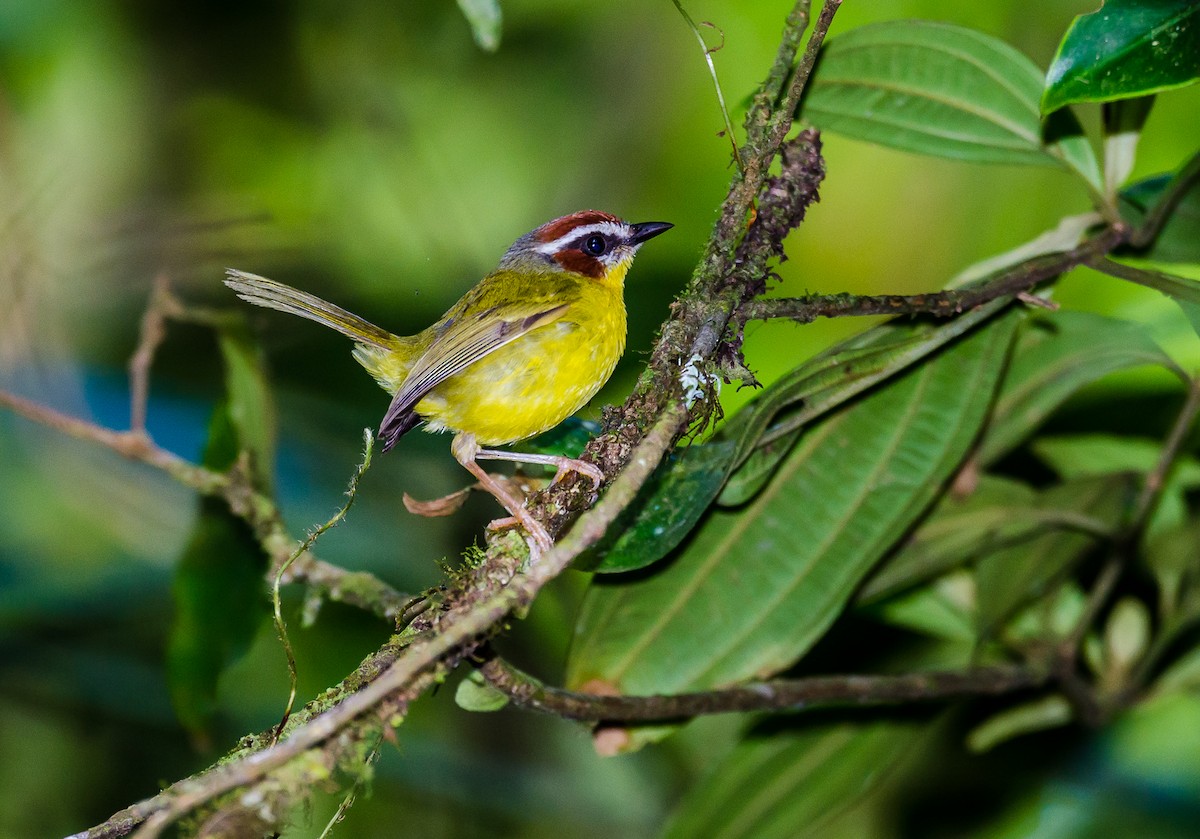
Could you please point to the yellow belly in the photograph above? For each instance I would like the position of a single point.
(532, 384)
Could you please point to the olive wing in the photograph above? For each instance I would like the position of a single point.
(462, 340)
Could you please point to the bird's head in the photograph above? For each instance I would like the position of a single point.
(590, 243)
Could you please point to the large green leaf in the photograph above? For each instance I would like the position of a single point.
(752, 590)
(932, 88)
(749, 448)
(767, 428)
(792, 784)
(1055, 357)
(1126, 48)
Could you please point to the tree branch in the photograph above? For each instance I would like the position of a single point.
(1023, 277)
(777, 695)
(1156, 219)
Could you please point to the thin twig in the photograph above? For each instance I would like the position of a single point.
(777, 695)
(353, 587)
(303, 548)
(162, 305)
(131, 444)
(1168, 284)
(348, 800)
(1156, 479)
(785, 58)
(1077, 689)
(712, 71)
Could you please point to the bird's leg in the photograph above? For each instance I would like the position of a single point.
(466, 450)
(563, 465)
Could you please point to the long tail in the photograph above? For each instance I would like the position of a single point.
(263, 292)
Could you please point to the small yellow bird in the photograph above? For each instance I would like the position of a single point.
(520, 352)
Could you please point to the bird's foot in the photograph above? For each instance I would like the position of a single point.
(566, 465)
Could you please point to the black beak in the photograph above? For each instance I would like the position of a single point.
(648, 230)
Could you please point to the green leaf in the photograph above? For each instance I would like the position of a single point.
(1092, 455)
(944, 609)
(1052, 711)
(931, 88)
(1191, 311)
(793, 783)
(484, 18)
(668, 508)
(1052, 618)
(475, 694)
(996, 514)
(1056, 356)
(1171, 555)
(1009, 578)
(739, 462)
(767, 428)
(218, 593)
(1127, 48)
(1066, 140)
(752, 590)
(1126, 637)
(250, 406)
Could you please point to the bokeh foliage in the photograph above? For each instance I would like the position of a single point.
(374, 154)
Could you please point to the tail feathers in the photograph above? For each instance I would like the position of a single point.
(395, 426)
(263, 292)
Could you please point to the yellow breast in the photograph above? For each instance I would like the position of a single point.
(538, 380)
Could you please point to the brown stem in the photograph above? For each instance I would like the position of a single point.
(355, 588)
(162, 305)
(777, 695)
(1022, 277)
(1162, 211)
(134, 445)
(1079, 690)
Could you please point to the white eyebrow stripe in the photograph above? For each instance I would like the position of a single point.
(617, 231)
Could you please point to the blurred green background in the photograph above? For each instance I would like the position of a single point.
(373, 154)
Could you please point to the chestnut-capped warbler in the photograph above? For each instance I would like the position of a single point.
(520, 352)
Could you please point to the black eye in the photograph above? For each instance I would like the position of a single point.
(595, 245)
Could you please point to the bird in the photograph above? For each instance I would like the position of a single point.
(525, 348)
